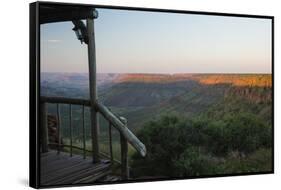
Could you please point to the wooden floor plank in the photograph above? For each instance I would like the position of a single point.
(54, 156)
(93, 178)
(61, 169)
(56, 165)
(68, 168)
(82, 174)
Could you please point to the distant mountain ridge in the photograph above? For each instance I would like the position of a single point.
(262, 80)
(140, 97)
(77, 78)
(234, 79)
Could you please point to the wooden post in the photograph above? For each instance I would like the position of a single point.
(83, 128)
(70, 127)
(124, 153)
(93, 88)
(44, 127)
(119, 125)
(58, 128)
(110, 142)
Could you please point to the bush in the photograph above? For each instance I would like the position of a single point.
(181, 147)
(194, 162)
(165, 140)
(246, 133)
(258, 161)
(242, 132)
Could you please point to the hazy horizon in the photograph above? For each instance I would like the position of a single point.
(164, 43)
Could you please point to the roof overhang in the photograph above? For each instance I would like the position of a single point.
(58, 13)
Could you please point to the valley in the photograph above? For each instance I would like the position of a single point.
(213, 100)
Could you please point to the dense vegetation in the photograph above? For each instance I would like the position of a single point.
(179, 147)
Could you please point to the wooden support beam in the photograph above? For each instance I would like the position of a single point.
(44, 128)
(93, 88)
(119, 125)
(124, 153)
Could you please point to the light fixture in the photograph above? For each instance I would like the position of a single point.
(80, 30)
(78, 33)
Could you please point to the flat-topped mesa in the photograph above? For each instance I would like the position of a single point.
(152, 78)
(258, 80)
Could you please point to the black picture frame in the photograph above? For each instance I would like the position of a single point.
(34, 98)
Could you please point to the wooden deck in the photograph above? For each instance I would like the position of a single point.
(61, 169)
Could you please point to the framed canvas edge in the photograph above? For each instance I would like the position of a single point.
(34, 90)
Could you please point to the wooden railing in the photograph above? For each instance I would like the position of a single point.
(119, 123)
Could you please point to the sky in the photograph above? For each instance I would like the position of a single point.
(156, 42)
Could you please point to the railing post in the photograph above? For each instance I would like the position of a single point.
(119, 125)
(70, 127)
(83, 128)
(93, 86)
(58, 128)
(110, 142)
(44, 127)
(124, 153)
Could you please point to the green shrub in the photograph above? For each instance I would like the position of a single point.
(182, 147)
(194, 162)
